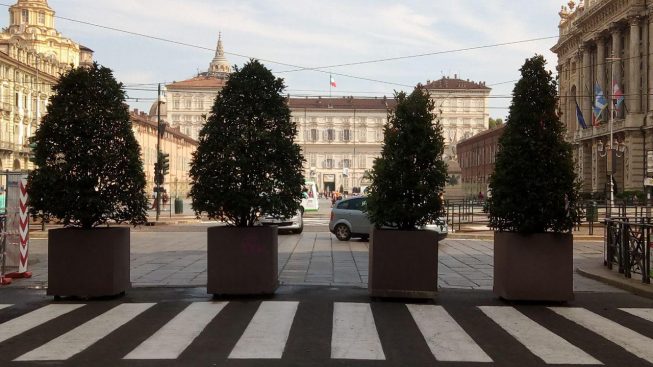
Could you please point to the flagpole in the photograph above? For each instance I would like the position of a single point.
(330, 85)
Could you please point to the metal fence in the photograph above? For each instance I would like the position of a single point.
(628, 245)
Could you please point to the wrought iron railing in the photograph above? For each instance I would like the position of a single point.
(627, 244)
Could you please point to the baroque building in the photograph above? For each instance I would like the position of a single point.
(340, 138)
(189, 101)
(603, 43)
(32, 56)
(462, 109)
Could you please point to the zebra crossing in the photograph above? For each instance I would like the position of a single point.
(267, 328)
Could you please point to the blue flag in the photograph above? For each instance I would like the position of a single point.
(600, 103)
(580, 118)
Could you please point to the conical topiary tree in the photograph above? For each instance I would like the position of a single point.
(88, 164)
(409, 176)
(247, 162)
(533, 187)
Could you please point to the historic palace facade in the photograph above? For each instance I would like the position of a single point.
(340, 137)
(32, 56)
(602, 43)
(189, 101)
(462, 109)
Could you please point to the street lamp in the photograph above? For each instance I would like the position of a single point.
(160, 100)
(614, 147)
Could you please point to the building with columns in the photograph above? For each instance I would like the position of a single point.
(605, 41)
(32, 56)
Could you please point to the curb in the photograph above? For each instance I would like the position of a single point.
(630, 285)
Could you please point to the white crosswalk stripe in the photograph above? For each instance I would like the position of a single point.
(354, 333)
(630, 340)
(267, 333)
(445, 338)
(4, 306)
(173, 338)
(33, 319)
(644, 313)
(551, 348)
(87, 334)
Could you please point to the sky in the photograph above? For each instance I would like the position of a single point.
(311, 34)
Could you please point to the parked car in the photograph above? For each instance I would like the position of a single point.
(294, 224)
(348, 219)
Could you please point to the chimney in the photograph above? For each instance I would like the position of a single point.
(455, 76)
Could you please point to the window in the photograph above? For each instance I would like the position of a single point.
(313, 134)
(25, 16)
(199, 104)
(41, 17)
(331, 134)
(188, 103)
(328, 163)
(346, 135)
(175, 104)
(346, 163)
(312, 159)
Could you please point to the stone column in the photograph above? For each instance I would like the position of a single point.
(634, 94)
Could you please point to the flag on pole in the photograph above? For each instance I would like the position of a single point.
(580, 118)
(617, 95)
(332, 81)
(600, 104)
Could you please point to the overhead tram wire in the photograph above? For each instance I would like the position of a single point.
(297, 67)
(317, 69)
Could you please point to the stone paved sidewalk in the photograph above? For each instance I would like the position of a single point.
(165, 259)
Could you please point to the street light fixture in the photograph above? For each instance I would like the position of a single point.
(161, 99)
(614, 147)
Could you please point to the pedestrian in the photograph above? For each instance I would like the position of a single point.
(480, 196)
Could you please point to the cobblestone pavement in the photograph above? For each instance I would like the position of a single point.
(169, 258)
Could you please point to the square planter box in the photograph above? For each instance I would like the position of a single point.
(88, 262)
(535, 267)
(242, 261)
(403, 264)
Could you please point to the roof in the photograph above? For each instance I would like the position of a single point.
(482, 134)
(205, 82)
(342, 103)
(449, 83)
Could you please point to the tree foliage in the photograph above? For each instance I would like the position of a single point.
(495, 122)
(410, 174)
(247, 162)
(534, 186)
(89, 169)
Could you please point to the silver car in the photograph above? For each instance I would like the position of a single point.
(348, 219)
(294, 224)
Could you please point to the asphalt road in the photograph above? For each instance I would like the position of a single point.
(321, 326)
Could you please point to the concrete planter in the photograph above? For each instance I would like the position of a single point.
(535, 267)
(403, 264)
(242, 261)
(88, 262)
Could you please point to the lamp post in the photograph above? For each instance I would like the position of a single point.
(158, 171)
(612, 147)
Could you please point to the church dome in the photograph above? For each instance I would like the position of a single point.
(219, 65)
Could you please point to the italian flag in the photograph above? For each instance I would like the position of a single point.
(333, 81)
